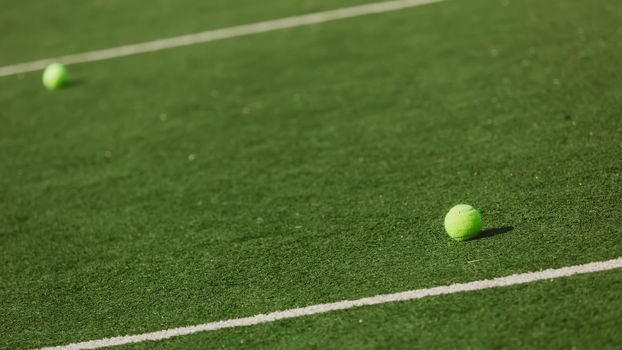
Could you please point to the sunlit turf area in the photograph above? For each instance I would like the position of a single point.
(308, 166)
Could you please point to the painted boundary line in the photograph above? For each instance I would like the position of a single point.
(218, 34)
(349, 304)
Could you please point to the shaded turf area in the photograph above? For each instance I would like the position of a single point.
(313, 165)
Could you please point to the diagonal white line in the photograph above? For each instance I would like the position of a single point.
(349, 304)
(218, 34)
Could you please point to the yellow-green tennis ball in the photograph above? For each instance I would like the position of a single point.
(463, 222)
(54, 76)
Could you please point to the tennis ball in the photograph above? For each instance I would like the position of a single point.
(463, 222)
(54, 76)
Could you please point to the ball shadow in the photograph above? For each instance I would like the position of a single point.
(493, 232)
(73, 83)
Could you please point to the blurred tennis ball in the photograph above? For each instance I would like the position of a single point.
(55, 76)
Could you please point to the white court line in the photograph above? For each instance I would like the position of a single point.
(218, 34)
(349, 304)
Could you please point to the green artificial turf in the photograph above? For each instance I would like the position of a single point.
(42, 29)
(544, 315)
(323, 161)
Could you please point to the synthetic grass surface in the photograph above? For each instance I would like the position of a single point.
(70, 26)
(544, 315)
(324, 160)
